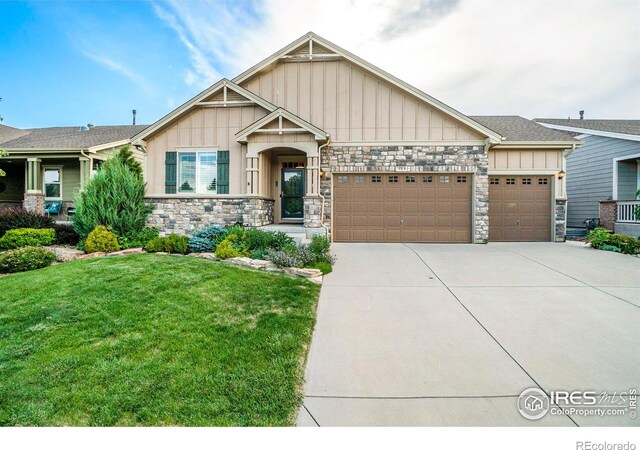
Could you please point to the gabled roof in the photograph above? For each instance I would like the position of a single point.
(223, 86)
(607, 125)
(72, 137)
(8, 133)
(279, 114)
(311, 38)
(516, 128)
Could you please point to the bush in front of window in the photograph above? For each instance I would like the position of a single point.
(101, 240)
(173, 243)
(113, 197)
(207, 239)
(20, 218)
(25, 258)
(25, 237)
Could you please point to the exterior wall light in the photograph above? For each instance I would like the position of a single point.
(561, 174)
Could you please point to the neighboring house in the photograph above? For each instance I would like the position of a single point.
(314, 135)
(603, 175)
(50, 164)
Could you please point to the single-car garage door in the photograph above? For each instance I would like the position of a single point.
(407, 207)
(520, 208)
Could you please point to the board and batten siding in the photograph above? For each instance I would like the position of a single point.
(354, 105)
(204, 127)
(525, 159)
(590, 175)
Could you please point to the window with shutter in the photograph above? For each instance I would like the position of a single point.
(170, 173)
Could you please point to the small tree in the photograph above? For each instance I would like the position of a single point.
(636, 211)
(114, 197)
(126, 155)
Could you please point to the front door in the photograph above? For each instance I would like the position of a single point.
(292, 193)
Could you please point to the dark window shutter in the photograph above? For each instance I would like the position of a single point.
(170, 173)
(223, 172)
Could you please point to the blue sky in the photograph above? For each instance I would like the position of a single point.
(70, 63)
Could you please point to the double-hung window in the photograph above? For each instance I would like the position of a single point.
(198, 172)
(53, 183)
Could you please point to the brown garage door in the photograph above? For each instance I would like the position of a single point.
(520, 208)
(413, 207)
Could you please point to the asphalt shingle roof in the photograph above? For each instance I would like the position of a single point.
(516, 128)
(71, 137)
(8, 133)
(611, 125)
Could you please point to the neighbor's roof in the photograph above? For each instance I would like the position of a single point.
(516, 128)
(610, 125)
(8, 133)
(71, 137)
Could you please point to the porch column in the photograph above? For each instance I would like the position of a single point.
(313, 170)
(33, 196)
(253, 175)
(85, 171)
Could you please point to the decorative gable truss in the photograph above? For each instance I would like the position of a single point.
(281, 122)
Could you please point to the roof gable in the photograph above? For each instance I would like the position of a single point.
(619, 129)
(303, 48)
(222, 94)
(281, 121)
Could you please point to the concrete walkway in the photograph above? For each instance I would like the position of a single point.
(438, 335)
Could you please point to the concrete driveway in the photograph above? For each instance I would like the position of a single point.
(439, 335)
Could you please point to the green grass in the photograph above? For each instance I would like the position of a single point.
(152, 340)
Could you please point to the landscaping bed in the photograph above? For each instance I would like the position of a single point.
(152, 340)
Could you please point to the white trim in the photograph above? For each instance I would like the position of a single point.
(495, 137)
(538, 144)
(222, 84)
(611, 134)
(108, 145)
(523, 171)
(615, 161)
(280, 113)
(44, 183)
(197, 153)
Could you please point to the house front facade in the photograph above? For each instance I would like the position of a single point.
(315, 136)
(604, 173)
(51, 164)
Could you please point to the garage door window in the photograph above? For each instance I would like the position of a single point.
(410, 179)
(526, 181)
(444, 178)
(510, 181)
(543, 181)
(393, 178)
(461, 179)
(359, 179)
(427, 179)
(376, 179)
(494, 181)
(342, 179)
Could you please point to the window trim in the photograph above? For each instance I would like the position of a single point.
(44, 183)
(197, 152)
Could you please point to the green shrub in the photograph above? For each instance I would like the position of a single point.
(611, 248)
(66, 235)
(299, 256)
(324, 267)
(231, 247)
(626, 244)
(598, 237)
(320, 246)
(24, 237)
(267, 240)
(236, 230)
(173, 243)
(26, 258)
(101, 240)
(207, 239)
(126, 155)
(11, 219)
(139, 239)
(113, 197)
(259, 253)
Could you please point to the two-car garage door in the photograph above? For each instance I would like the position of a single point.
(437, 207)
(402, 207)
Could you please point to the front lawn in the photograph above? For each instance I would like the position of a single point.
(152, 340)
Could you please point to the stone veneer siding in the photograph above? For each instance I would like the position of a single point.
(561, 220)
(183, 215)
(312, 211)
(34, 203)
(470, 159)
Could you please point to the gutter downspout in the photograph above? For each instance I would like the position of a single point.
(320, 183)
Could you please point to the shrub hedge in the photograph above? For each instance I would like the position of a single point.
(601, 238)
(24, 237)
(173, 243)
(11, 219)
(26, 258)
(101, 239)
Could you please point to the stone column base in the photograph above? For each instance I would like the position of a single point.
(312, 211)
(33, 203)
(561, 221)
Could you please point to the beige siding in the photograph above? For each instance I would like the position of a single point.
(524, 159)
(70, 175)
(354, 105)
(204, 127)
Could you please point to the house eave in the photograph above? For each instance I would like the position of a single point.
(590, 132)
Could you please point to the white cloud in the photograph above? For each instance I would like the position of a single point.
(532, 58)
(118, 68)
